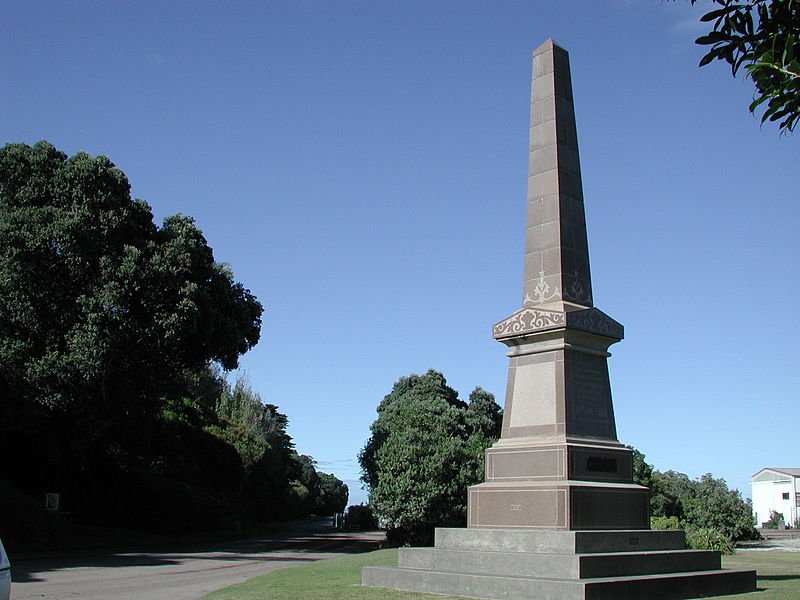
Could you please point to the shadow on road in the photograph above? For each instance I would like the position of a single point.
(288, 543)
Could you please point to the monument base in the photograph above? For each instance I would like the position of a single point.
(559, 505)
(513, 564)
(558, 485)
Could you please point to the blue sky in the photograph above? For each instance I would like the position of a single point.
(362, 166)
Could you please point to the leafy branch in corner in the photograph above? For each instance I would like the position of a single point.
(763, 36)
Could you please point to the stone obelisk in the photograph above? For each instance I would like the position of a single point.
(559, 516)
(558, 463)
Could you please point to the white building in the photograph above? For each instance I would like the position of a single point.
(778, 490)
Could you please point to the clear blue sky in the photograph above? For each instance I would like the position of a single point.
(362, 166)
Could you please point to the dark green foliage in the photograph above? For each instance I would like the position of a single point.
(426, 448)
(102, 312)
(114, 334)
(704, 503)
(331, 496)
(23, 520)
(258, 433)
(360, 516)
(326, 494)
(711, 504)
(308, 475)
(107, 326)
(764, 37)
(484, 415)
(150, 502)
(278, 482)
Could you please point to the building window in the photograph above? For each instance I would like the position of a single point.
(797, 502)
(785, 495)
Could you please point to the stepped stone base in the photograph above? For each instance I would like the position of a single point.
(512, 564)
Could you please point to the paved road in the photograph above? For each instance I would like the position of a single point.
(185, 574)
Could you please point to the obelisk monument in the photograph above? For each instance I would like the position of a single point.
(558, 516)
(558, 463)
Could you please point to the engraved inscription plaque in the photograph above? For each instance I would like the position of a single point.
(589, 393)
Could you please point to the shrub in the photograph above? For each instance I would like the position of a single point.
(774, 520)
(360, 516)
(708, 538)
(670, 523)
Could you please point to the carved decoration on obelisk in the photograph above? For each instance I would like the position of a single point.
(558, 463)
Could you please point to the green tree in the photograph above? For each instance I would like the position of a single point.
(258, 432)
(666, 489)
(710, 504)
(671, 490)
(701, 504)
(426, 448)
(764, 37)
(332, 495)
(484, 415)
(103, 314)
(642, 470)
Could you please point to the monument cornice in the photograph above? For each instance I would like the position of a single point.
(529, 320)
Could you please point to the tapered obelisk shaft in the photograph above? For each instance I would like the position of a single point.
(556, 252)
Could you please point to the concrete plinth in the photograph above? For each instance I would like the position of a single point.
(512, 564)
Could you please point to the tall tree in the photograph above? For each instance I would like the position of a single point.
(763, 36)
(426, 448)
(711, 504)
(332, 495)
(704, 503)
(258, 432)
(103, 313)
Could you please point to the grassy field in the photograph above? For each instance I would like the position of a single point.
(340, 579)
(778, 573)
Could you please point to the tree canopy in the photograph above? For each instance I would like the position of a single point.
(763, 36)
(100, 309)
(704, 503)
(426, 448)
(115, 338)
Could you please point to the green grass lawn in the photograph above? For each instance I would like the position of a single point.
(778, 573)
(340, 579)
(333, 579)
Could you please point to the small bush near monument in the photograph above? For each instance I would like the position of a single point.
(670, 523)
(705, 538)
(709, 538)
(775, 520)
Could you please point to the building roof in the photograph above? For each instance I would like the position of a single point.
(783, 470)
